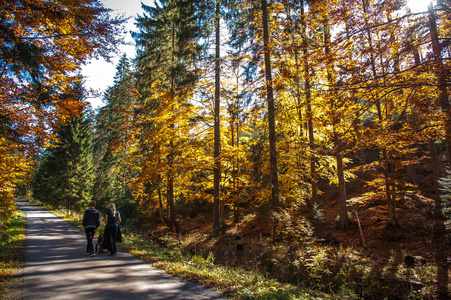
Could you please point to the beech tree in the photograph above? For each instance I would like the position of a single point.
(42, 46)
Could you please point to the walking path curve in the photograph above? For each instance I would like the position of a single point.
(56, 267)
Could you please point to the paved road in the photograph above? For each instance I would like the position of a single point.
(56, 267)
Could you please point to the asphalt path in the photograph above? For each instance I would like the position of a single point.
(56, 267)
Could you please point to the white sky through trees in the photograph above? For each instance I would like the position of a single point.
(99, 74)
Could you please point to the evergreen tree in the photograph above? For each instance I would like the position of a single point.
(65, 174)
(167, 72)
(112, 132)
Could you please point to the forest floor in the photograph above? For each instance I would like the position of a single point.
(394, 263)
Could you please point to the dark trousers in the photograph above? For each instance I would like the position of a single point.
(110, 236)
(89, 236)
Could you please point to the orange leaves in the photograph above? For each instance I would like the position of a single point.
(14, 169)
(42, 46)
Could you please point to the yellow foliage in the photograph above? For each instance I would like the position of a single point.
(44, 44)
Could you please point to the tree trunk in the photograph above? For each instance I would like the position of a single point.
(440, 229)
(344, 221)
(313, 177)
(235, 124)
(411, 169)
(389, 191)
(271, 110)
(390, 200)
(217, 142)
(160, 201)
(435, 174)
(441, 74)
(234, 163)
(170, 199)
(170, 173)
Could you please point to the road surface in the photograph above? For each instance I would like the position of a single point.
(56, 267)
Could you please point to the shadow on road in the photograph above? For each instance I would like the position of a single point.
(57, 268)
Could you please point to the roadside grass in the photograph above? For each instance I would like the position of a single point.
(232, 281)
(12, 245)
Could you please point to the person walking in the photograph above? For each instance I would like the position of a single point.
(91, 221)
(112, 219)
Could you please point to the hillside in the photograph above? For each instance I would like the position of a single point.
(296, 248)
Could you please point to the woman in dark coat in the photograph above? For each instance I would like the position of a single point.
(112, 219)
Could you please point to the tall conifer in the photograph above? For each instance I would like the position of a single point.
(112, 133)
(65, 174)
(167, 53)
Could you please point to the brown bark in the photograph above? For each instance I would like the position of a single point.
(344, 220)
(271, 110)
(235, 125)
(441, 74)
(160, 202)
(308, 99)
(170, 173)
(217, 141)
(435, 174)
(440, 229)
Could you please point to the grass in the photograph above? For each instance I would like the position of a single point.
(235, 282)
(12, 245)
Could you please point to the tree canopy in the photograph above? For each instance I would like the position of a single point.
(65, 175)
(43, 45)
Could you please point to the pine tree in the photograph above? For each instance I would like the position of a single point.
(112, 134)
(250, 28)
(167, 72)
(65, 174)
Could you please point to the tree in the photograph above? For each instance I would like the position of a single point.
(166, 76)
(42, 45)
(336, 105)
(441, 73)
(257, 41)
(308, 99)
(113, 135)
(65, 175)
(376, 83)
(271, 111)
(217, 124)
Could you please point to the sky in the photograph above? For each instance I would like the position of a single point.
(99, 74)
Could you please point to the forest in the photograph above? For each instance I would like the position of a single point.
(284, 131)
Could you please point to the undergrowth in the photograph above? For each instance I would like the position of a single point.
(233, 281)
(12, 242)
